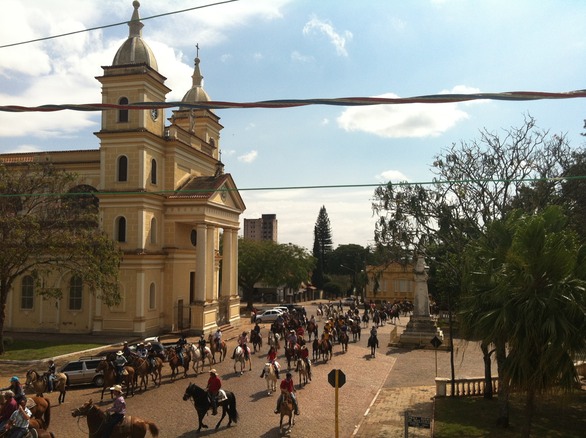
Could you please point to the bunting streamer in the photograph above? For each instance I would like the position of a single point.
(292, 103)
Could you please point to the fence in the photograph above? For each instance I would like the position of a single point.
(463, 387)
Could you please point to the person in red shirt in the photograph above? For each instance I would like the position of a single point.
(272, 358)
(304, 353)
(8, 408)
(288, 386)
(213, 388)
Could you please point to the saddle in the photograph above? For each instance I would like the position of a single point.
(124, 428)
(220, 397)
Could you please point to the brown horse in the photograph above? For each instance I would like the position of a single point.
(286, 410)
(214, 347)
(41, 411)
(344, 341)
(111, 377)
(40, 384)
(175, 362)
(311, 329)
(144, 369)
(131, 426)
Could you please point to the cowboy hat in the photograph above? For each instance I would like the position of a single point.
(116, 388)
(119, 353)
(213, 371)
(9, 393)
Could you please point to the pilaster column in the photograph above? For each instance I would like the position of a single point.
(210, 263)
(227, 262)
(201, 263)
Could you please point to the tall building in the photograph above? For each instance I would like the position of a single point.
(164, 197)
(264, 228)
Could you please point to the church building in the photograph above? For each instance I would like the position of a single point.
(163, 197)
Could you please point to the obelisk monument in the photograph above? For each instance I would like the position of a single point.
(420, 329)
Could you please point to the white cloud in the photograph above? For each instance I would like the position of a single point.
(391, 175)
(326, 28)
(296, 56)
(403, 120)
(248, 157)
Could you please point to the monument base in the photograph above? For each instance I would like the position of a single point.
(420, 330)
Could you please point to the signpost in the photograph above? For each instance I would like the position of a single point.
(416, 421)
(336, 378)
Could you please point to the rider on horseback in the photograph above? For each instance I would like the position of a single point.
(304, 353)
(288, 386)
(272, 358)
(213, 388)
(242, 341)
(218, 339)
(179, 348)
(292, 339)
(50, 375)
(150, 356)
(202, 346)
(141, 351)
(119, 364)
(117, 411)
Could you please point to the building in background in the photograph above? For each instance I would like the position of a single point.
(264, 228)
(163, 197)
(390, 282)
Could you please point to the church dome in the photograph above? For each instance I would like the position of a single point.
(196, 93)
(134, 50)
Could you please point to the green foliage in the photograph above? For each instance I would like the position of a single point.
(27, 350)
(48, 228)
(322, 246)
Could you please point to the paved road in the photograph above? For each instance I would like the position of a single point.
(176, 418)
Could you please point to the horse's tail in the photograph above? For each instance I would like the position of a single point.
(47, 415)
(232, 412)
(153, 428)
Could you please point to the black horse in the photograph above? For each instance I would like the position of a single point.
(373, 344)
(202, 405)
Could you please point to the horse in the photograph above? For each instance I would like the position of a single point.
(303, 371)
(202, 404)
(111, 377)
(373, 344)
(222, 349)
(196, 356)
(175, 363)
(40, 383)
(315, 349)
(311, 329)
(143, 368)
(325, 348)
(131, 427)
(291, 353)
(286, 410)
(240, 357)
(356, 331)
(256, 339)
(270, 377)
(274, 340)
(344, 341)
(365, 319)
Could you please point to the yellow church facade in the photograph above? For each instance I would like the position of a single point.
(163, 197)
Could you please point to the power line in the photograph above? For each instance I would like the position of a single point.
(315, 187)
(114, 24)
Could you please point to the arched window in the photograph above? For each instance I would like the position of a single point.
(153, 231)
(27, 293)
(193, 237)
(152, 296)
(121, 229)
(123, 113)
(153, 171)
(122, 168)
(75, 293)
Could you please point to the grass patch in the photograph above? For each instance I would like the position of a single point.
(37, 350)
(555, 416)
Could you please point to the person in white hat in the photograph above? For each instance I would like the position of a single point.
(120, 362)
(213, 388)
(117, 411)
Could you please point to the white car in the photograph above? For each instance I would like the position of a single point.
(270, 315)
(282, 309)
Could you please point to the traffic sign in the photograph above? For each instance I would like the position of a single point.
(424, 422)
(332, 378)
(436, 342)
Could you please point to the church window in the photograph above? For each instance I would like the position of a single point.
(193, 237)
(122, 168)
(123, 113)
(75, 293)
(121, 229)
(27, 293)
(153, 231)
(153, 171)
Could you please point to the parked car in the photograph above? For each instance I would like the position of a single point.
(83, 371)
(270, 315)
(348, 301)
(295, 308)
(283, 309)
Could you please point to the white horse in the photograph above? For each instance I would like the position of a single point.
(197, 357)
(301, 368)
(274, 340)
(270, 377)
(239, 357)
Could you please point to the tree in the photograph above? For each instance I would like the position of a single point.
(526, 294)
(271, 263)
(350, 260)
(574, 192)
(322, 246)
(48, 227)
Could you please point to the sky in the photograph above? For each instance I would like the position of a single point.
(254, 50)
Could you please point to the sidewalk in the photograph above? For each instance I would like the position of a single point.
(410, 386)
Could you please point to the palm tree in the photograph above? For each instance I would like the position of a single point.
(528, 280)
